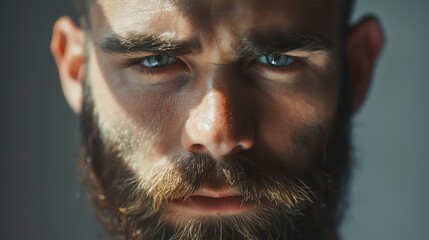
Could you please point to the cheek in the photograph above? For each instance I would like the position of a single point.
(294, 124)
(131, 117)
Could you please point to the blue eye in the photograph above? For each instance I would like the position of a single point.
(156, 61)
(275, 59)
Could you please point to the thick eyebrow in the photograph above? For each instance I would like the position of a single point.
(282, 41)
(149, 43)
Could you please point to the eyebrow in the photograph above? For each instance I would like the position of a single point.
(258, 43)
(281, 41)
(152, 43)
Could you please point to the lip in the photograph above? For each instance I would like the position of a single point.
(214, 202)
(222, 193)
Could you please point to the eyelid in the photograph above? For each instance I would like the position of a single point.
(179, 61)
(178, 65)
(259, 68)
(264, 59)
(130, 62)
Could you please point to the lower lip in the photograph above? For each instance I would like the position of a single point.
(215, 206)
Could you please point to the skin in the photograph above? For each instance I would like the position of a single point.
(218, 101)
(215, 109)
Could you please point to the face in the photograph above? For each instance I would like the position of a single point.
(179, 77)
(215, 119)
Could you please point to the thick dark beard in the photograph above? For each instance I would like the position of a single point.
(130, 212)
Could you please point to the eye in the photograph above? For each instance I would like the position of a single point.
(158, 68)
(276, 59)
(157, 61)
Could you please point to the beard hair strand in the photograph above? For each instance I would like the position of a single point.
(131, 212)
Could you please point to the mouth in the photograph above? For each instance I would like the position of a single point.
(208, 202)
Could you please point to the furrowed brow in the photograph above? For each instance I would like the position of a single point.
(146, 43)
(264, 43)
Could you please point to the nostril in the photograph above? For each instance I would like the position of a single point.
(218, 127)
(236, 149)
(198, 148)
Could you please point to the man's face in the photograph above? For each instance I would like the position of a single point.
(228, 80)
(218, 77)
(213, 119)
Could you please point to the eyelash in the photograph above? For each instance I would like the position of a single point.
(278, 70)
(140, 69)
(156, 71)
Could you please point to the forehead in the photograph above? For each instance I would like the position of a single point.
(223, 7)
(219, 26)
(125, 14)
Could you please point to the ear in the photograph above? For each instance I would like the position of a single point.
(67, 46)
(364, 43)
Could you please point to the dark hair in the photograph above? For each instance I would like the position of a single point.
(347, 8)
(83, 7)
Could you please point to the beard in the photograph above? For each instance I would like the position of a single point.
(288, 205)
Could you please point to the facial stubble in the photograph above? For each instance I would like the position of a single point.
(132, 205)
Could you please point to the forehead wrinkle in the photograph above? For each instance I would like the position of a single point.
(223, 50)
(134, 15)
(150, 5)
(187, 6)
(270, 7)
(227, 45)
(128, 19)
(216, 7)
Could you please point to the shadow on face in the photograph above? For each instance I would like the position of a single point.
(257, 80)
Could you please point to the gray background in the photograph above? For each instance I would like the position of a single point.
(40, 196)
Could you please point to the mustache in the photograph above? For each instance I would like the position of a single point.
(184, 174)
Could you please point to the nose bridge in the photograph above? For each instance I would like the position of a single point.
(219, 102)
(216, 125)
(216, 110)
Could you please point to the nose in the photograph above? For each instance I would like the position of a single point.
(218, 125)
